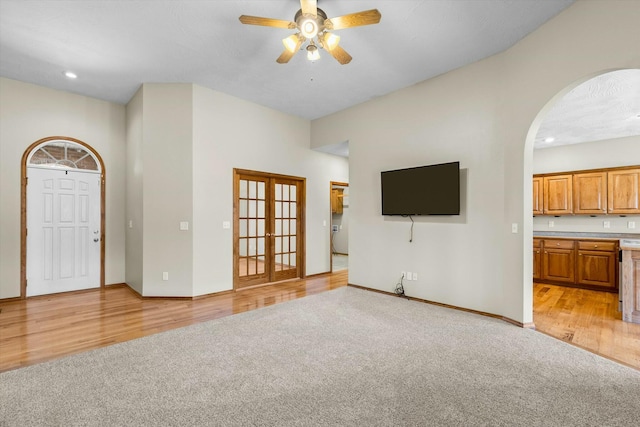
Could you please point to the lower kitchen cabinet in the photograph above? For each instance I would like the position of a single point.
(590, 264)
(559, 261)
(537, 258)
(597, 264)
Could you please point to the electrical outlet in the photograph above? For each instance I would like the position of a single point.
(606, 224)
(415, 276)
(165, 275)
(514, 228)
(403, 275)
(631, 224)
(409, 275)
(184, 225)
(552, 224)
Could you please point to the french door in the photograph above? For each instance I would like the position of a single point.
(268, 228)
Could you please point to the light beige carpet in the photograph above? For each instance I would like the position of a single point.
(348, 357)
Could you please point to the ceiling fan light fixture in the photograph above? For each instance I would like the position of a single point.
(291, 43)
(312, 52)
(330, 41)
(309, 28)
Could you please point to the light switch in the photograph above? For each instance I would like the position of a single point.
(130, 224)
(184, 225)
(514, 228)
(226, 225)
(165, 275)
(324, 223)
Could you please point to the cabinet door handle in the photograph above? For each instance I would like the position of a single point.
(595, 246)
(580, 254)
(557, 244)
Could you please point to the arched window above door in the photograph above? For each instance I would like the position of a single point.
(63, 154)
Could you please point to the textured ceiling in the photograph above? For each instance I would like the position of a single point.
(114, 46)
(605, 107)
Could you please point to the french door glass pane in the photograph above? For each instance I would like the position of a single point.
(243, 189)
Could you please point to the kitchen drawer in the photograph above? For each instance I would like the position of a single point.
(559, 244)
(597, 246)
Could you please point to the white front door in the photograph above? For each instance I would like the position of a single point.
(63, 230)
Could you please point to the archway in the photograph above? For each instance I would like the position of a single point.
(602, 78)
(62, 154)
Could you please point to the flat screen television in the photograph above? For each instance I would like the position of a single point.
(424, 190)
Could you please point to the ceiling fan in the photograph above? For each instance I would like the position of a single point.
(313, 25)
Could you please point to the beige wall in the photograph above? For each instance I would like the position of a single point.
(481, 115)
(134, 215)
(233, 133)
(29, 113)
(167, 189)
(589, 155)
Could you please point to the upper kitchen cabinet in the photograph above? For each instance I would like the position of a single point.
(538, 199)
(558, 190)
(590, 193)
(624, 191)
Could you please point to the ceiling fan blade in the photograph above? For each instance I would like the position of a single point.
(357, 19)
(309, 7)
(285, 56)
(340, 55)
(267, 22)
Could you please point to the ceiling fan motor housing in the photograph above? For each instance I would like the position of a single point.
(308, 25)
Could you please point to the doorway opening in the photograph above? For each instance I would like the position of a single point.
(62, 217)
(339, 226)
(582, 132)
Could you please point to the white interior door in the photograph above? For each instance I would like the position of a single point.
(63, 230)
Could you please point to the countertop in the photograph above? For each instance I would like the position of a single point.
(586, 235)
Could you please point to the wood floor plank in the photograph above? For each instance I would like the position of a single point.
(48, 327)
(588, 319)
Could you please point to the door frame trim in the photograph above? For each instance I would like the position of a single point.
(23, 207)
(302, 243)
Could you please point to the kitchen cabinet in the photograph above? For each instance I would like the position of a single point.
(559, 261)
(557, 193)
(624, 191)
(597, 263)
(538, 199)
(584, 263)
(337, 195)
(613, 191)
(590, 193)
(537, 259)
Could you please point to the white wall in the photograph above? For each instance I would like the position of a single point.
(231, 133)
(590, 155)
(480, 115)
(29, 113)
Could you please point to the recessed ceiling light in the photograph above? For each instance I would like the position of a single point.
(549, 139)
(71, 75)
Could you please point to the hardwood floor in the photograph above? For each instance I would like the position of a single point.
(45, 328)
(588, 319)
(48, 327)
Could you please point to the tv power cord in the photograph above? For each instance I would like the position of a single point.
(399, 290)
